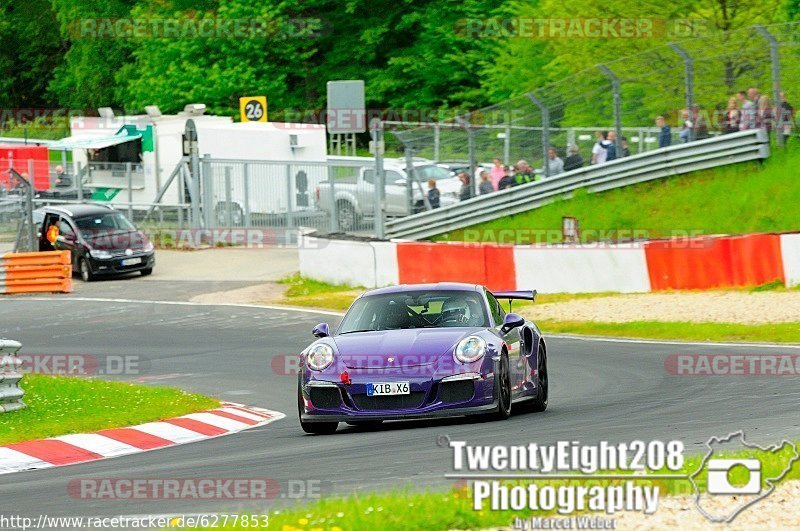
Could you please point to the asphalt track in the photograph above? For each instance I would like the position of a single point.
(600, 390)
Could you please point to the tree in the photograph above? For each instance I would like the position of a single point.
(30, 52)
(97, 51)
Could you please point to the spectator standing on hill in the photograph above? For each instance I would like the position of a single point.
(730, 124)
(664, 132)
(599, 150)
(686, 129)
(466, 190)
(485, 186)
(764, 114)
(574, 159)
(626, 151)
(611, 146)
(699, 123)
(747, 116)
(523, 173)
(433, 193)
(554, 163)
(497, 173)
(508, 179)
(787, 117)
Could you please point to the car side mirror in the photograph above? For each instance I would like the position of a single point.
(511, 321)
(321, 330)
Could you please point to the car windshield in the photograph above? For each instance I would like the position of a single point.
(415, 309)
(110, 221)
(432, 172)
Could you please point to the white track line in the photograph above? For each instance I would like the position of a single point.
(185, 303)
(674, 342)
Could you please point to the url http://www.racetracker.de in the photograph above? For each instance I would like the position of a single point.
(211, 520)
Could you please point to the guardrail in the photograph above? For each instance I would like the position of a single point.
(10, 376)
(44, 272)
(674, 160)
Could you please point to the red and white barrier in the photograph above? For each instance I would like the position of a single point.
(790, 253)
(696, 263)
(82, 447)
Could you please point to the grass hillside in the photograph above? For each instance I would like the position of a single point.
(749, 197)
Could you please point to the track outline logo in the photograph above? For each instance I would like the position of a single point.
(729, 463)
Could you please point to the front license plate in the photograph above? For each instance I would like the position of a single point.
(384, 389)
(131, 261)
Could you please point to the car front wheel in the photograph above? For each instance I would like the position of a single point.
(85, 270)
(316, 428)
(503, 389)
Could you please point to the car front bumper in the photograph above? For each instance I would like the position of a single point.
(324, 400)
(113, 266)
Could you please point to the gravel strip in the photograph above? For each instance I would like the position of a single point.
(779, 510)
(712, 306)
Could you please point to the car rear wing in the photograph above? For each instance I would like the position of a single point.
(515, 295)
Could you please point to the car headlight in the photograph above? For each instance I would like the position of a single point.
(148, 246)
(470, 349)
(100, 253)
(319, 357)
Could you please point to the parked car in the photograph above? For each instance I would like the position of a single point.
(353, 199)
(102, 240)
(421, 351)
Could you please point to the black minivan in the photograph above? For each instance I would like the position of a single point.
(101, 239)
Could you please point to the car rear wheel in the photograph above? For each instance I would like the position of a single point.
(317, 428)
(346, 216)
(539, 403)
(503, 389)
(85, 271)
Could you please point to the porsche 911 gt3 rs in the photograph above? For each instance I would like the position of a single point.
(423, 351)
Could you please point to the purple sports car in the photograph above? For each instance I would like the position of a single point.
(422, 351)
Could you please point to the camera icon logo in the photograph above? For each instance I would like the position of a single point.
(721, 470)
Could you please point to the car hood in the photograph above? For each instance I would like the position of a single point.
(407, 348)
(115, 240)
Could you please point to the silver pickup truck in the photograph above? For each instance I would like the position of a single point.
(353, 199)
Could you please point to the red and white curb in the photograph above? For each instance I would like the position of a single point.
(85, 447)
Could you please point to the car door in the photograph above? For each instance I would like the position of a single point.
(517, 362)
(67, 239)
(396, 194)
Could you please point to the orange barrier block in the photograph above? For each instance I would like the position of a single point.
(714, 262)
(490, 265)
(35, 259)
(44, 272)
(39, 286)
(501, 269)
(23, 272)
(756, 259)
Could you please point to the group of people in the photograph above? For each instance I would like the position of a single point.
(605, 147)
(745, 110)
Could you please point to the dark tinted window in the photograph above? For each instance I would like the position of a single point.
(103, 222)
(415, 309)
(498, 314)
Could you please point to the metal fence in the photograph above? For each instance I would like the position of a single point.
(332, 196)
(687, 81)
(10, 377)
(683, 158)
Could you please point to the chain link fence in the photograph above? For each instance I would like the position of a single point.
(691, 83)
